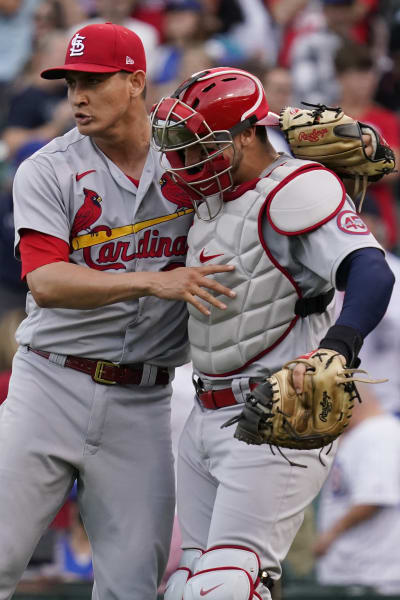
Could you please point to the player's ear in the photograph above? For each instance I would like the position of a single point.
(247, 136)
(137, 82)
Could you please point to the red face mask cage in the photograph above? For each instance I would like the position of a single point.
(177, 128)
(194, 130)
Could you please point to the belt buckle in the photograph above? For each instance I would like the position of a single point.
(198, 385)
(97, 377)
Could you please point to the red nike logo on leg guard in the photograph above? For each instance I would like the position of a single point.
(204, 592)
(204, 258)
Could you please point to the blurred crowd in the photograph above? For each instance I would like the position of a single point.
(343, 52)
(338, 52)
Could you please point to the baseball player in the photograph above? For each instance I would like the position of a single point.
(293, 236)
(99, 241)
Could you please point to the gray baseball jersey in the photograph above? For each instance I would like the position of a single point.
(57, 424)
(69, 189)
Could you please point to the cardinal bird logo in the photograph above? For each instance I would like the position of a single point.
(174, 193)
(88, 213)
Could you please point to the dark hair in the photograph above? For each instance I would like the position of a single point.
(261, 133)
(353, 56)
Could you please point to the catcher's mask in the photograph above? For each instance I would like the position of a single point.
(200, 120)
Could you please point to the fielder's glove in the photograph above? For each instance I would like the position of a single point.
(275, 414)
(328, 136)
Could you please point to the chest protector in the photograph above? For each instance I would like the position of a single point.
(263, 311)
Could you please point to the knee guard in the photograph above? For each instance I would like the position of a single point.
(187, 566)
(226, 573)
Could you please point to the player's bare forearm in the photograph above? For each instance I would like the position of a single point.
(66, 285)
(357, 514)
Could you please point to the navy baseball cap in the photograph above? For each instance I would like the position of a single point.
(101, 48)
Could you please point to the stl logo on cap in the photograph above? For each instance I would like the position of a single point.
(77, 45)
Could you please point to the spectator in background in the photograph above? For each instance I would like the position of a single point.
(278, 86)
(149, 11)
(56, 15)
(388, 94)
(380, 353)
(12, 289)
(9, 322)
(39, 110)
(293, 18)
(72, 551)
(194, 58)
(312, 55)
(358, 79)
(119, 12)
(63, 553)
(16, 28)
(255, 35)
(359, 508)
(249, 36)
(182, 27)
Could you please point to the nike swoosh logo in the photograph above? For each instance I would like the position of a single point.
(79, 176)
(205, 188)
(204, 258)
(204, 592)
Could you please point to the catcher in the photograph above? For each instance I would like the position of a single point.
(309, 402)
(293, 235)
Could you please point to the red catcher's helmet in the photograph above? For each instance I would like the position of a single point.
(209, 109)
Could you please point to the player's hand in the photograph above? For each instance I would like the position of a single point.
(298, 377)
(369, 148)
(192, 285)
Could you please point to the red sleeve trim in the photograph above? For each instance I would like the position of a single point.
(38, 249)
(300, 171)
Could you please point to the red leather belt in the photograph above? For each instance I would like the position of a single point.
(213, 399)
(108, 373)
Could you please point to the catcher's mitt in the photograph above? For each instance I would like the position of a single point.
(330, 137)
(275, 414)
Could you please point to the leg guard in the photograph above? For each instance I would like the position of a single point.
(177, 582)
(225, 573)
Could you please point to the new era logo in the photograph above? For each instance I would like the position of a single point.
(129, 61)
